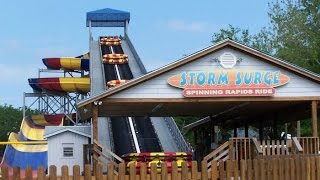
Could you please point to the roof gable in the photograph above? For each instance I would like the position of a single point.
(193, 57)
(80, 130)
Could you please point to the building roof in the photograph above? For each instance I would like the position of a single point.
(107, 18)
(228, 111)
(56, 130)
(192, 57)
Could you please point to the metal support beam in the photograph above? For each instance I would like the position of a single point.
(314, 107)
(25, 142)
(126, 24)
(24, 105)
(90, 32)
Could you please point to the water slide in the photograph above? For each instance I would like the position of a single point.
(64, 84)
(23, 149)
(67, 63)
(166, 129)
(152, 134)
(32, 127)
(34, 155)
(148, 138)
(61, 84)
(130, 134)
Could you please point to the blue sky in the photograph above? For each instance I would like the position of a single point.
(161, 31)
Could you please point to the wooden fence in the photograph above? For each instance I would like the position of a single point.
(310, 145)
(276, 168)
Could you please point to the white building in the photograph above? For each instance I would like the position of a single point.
(65, 145)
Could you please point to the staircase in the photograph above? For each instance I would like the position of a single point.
(250, 148)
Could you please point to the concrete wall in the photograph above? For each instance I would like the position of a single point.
(159, 88)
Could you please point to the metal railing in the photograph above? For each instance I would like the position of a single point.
(176, 134)
(135, 54)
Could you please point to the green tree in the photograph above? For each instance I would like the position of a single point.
(10, 121)
(182, 121)
(261, 41)
(295, 33)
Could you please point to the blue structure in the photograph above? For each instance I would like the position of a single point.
(108, 18)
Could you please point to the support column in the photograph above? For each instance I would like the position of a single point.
(314, 107)
(286, 128)
(126, 24)
(246, 130)
(213, 137)
(235, 132)
(90, 33)
(95, 135)
(261, 132)
(196, 147)
(298, 129)
(195, 136)
(275, 127)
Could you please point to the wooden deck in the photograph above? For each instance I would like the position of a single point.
(251, 148)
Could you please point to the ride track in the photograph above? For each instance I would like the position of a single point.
(130, 134)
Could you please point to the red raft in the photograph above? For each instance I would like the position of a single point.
(158, 158)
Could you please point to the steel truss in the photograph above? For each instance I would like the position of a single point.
(51, 103)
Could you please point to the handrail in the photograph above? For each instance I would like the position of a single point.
(25, 142)
(106, 165)
(103, 155)
(175, 132)
(256, 144)
(297, 144)
(224, 153)
(216, 151)
(108, 151)
(135, 54)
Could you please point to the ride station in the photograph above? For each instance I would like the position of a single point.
(110, 110)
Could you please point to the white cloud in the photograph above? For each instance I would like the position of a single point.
(182, 25)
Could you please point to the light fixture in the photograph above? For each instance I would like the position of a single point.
(97, 103)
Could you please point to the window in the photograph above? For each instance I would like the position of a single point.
(67, 151)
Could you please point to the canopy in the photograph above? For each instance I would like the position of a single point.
(107, 18)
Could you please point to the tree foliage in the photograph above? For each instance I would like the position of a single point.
(10, 121)
(182, 121)
(296, 31)
(260, 41)
(293, 34)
